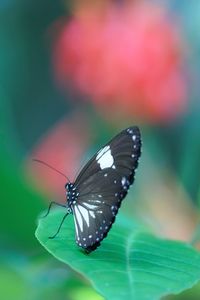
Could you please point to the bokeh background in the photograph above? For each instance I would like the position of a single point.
(73, 74)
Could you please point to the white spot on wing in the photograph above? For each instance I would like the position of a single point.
(134, 137)
(123, 181)
(84, 213)
(129, 130)
(78, 217)
(104, 158)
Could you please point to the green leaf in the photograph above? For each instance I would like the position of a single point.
(130, 263)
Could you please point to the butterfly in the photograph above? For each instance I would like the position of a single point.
(95, 196)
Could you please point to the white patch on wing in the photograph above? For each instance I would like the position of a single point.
(78, 217)
(105, 158)
(92, 214)
(84, 213)
(90, 206)
(76, 227)
(102, 151)
(94, 201)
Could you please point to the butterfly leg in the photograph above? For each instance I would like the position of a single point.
(52, 237)
(50, 205)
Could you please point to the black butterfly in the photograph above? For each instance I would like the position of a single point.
(96, 195)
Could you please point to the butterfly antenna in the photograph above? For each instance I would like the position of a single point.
(44, 163)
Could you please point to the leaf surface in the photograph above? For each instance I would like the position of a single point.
(129, 264)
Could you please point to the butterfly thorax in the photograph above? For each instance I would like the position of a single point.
(71, 195)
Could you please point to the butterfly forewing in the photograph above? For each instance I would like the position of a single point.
(102, 185)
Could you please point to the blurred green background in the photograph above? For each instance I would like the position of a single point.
(58, 106)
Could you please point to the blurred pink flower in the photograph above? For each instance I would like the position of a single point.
(126, 58)
(62, 148)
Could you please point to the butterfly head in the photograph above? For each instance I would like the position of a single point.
(71, 194)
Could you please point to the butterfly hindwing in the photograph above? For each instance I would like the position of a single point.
(102, 185)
